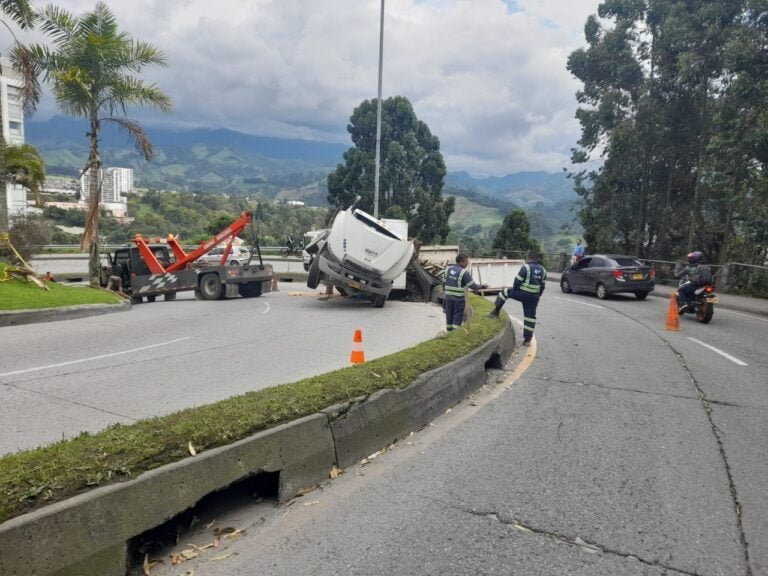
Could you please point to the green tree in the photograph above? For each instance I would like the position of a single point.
(411, 174)
(92, 71)
(515, 234)
(20, 13)
(651, 82)
(25, 166)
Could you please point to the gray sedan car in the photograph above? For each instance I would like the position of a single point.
(605, 274)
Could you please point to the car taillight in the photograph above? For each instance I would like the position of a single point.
(652, 272)
(618, 274)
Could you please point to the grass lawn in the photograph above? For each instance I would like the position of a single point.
(18, 295)
(34, 478)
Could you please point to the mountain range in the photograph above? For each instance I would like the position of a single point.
(226, 161)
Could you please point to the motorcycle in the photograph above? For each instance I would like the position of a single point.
(702, 304)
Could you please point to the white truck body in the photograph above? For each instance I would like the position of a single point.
(361, 254)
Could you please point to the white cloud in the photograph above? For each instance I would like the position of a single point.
(487, 76)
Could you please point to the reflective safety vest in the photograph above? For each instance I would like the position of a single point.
(534, 278)
(453, 278)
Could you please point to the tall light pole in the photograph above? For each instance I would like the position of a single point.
(378, 120)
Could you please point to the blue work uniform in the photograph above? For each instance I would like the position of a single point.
(527, 288)
(455, 279)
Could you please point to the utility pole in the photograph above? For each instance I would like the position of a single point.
(378, 119)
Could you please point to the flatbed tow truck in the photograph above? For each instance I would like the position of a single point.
(151, 269)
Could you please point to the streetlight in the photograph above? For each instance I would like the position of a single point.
(378, 120)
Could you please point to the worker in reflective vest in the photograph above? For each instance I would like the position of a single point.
(455, 279)
(527, 289)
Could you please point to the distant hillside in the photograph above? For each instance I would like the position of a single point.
(525, 189)
(206, 160)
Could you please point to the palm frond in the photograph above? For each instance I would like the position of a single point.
(20, 11)
(58, 23)
(28, 69)
(136, 134)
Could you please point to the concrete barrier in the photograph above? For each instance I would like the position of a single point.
(360, 429)
(88, 535)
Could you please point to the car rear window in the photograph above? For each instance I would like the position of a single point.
(621, 262)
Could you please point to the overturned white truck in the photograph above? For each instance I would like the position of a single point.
(360, 254)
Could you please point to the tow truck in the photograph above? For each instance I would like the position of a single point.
(153, 268)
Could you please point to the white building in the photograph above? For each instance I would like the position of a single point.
(115, 183)
(12, 116)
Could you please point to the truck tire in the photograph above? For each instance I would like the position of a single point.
(379, 300)
(249, 289)
(313, 279)
(170, 296)
(211, 287)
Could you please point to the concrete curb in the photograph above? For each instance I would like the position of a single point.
(88, 535)
(389, 415)
(19, 317)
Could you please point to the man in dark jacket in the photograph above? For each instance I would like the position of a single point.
(696, 274)
(455, 279)
(527, 289)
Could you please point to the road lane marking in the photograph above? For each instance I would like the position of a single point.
(92, 358)
(577, 302)
(724, 354)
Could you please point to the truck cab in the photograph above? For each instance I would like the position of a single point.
(132, 265)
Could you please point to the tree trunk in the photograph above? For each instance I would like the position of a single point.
(91, 233)
(4, 223)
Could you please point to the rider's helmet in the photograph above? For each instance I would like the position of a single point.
(695, 257)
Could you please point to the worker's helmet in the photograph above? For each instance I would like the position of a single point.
(695, 257)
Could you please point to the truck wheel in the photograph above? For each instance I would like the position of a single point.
(379, 300)
(313, 280)
(249, 289)
(170, 296)
(211, 287)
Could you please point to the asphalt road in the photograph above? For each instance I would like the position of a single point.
(616, 448)
(60, 378)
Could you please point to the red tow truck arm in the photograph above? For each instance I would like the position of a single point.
(182, 258)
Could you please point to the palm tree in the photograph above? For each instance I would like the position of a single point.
(25, 166)
(92, 75)
(20, 13)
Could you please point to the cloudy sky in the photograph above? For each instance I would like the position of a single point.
(487, 76)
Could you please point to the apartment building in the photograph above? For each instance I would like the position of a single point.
(12, 117)
(115, 183)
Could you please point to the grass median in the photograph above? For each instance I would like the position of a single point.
(20, 295)
(34, 478)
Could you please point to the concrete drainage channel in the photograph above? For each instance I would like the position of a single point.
(90, 534)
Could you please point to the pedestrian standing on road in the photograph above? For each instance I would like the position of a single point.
(455, 279)
(578, 252)
(527, 289)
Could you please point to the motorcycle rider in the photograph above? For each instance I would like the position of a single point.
(696, 274)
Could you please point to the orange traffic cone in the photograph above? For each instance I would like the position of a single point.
(273, 287)
(673, 322)
(357, 356)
